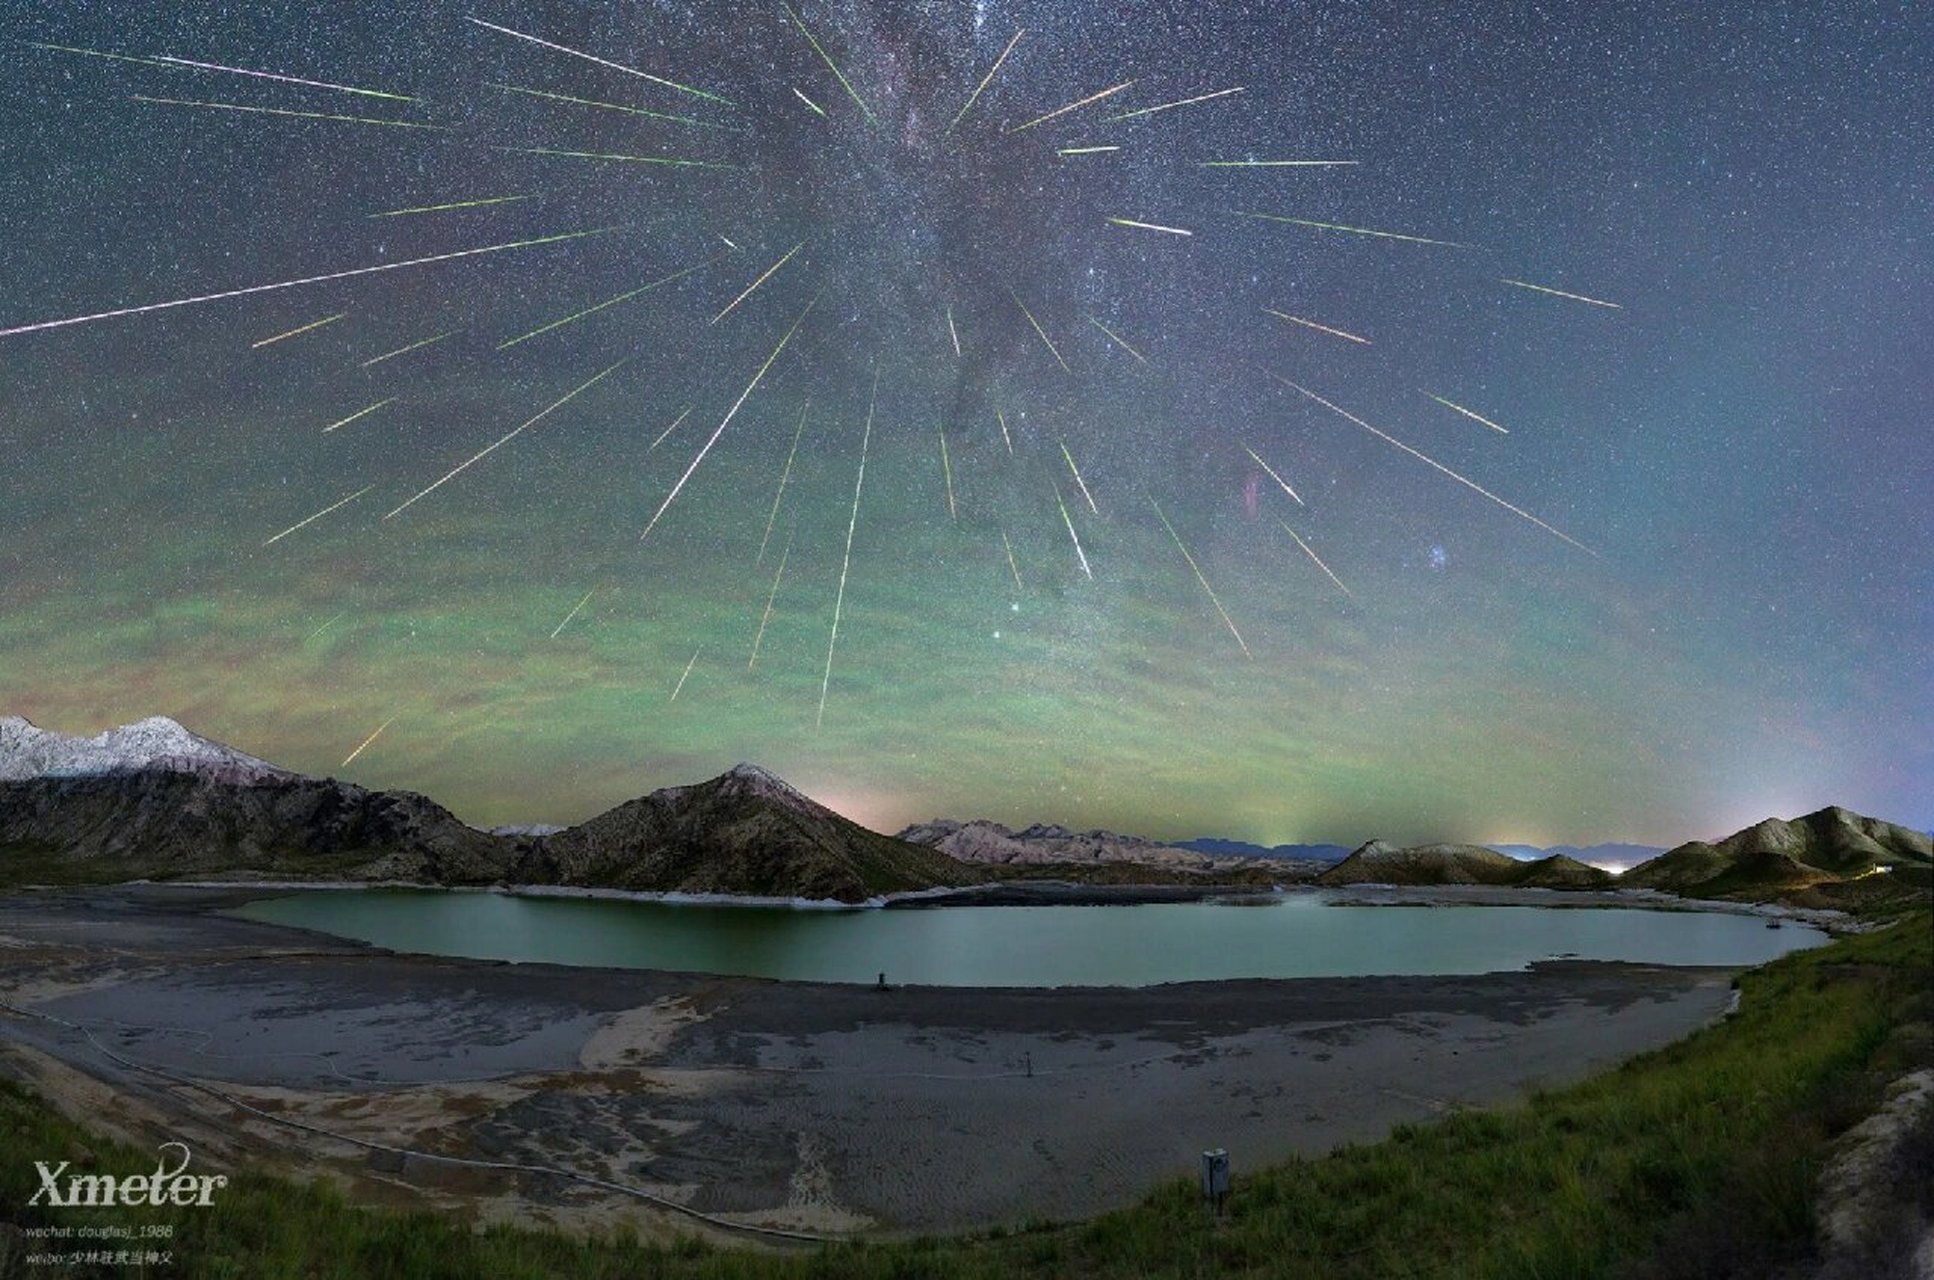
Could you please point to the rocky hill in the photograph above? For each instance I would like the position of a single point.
(193, 813)
(154, 801)
(1434, 864)
(744, 832)
(1830, 847)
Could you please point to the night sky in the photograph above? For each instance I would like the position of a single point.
(1706, 602)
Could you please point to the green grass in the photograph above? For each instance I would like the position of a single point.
(1697, 1160)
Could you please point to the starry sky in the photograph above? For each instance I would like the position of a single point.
(1553, 570)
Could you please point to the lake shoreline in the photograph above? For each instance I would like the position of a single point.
(1011, 893)
(830, 1107)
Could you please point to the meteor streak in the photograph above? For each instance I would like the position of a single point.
(1355, 231)
(1277, 164)
(1011, 566)
(1045, 340)
(1150, 226)
(756, 283)
(360, 413)
(1001, 417)
(846, 561)
(984, 81)
(726, 420)
(400, 351)
(270, 75)
(320, 514)
(1474, 417)
(313, 324)
(279, 111)
(605, 106)
(1560, 293)
(325, 626)
(439, 208)
(1118, 339)
(1170, 106)
(770, 597)
(96, 53)
(1199, 578)
(1082, 151)
(682, 414)
(827, 58)
(1078, 480)
(953, 332)
(1469, 484)
(574, 612)
(620, 157)
(608, 302)
(686, 676)
(615, 66)
(510, 435)
(783, 477)
(1072, 535)
(1272, 474)
(306, 280)
(1318, 559)
(1062, 111)
(817, 109)
(365, 742)
(1320, 328)
(947, 468)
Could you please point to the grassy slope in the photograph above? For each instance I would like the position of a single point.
(1693, 1161)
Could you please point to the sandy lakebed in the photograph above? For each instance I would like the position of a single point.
(816, 1107)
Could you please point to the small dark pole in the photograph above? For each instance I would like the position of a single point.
(1215, 1179)
(882, 986)
(1029, 1058)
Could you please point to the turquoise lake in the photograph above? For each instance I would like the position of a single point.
(1298, 936)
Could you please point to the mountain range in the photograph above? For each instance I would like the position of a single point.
(1047, 844)
(155, 801)
(152, 800)
(1607, 856)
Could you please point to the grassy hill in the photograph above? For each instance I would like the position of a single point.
(1816, 854)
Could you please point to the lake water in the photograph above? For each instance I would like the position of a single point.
(1298, 936)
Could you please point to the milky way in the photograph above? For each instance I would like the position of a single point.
(1593, 356)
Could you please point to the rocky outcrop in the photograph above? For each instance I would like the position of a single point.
(1871, 1206)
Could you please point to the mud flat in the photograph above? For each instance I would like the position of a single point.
(820, 1107)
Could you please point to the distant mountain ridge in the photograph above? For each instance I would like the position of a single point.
(1435, 864)
(1244, 849)
(985, 842)
(1623, 855)
(1047, 844)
